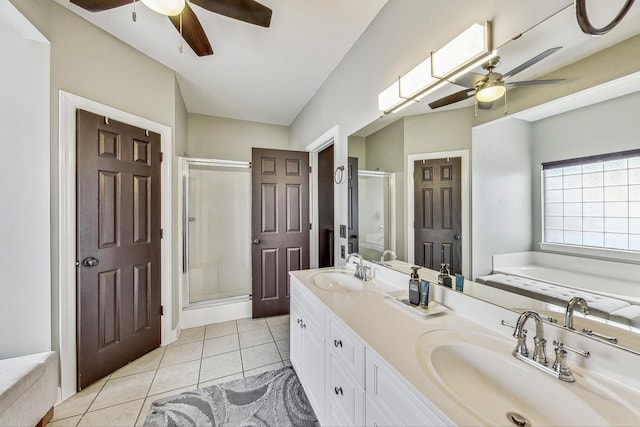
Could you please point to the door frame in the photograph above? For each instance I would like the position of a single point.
(465, 217)
(68, 103)
(330, 137)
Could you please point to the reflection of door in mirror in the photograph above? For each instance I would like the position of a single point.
(325, 207)
(352, 200)
(437, 195)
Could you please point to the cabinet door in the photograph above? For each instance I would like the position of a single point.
(389, 394)
(313, 363)
(295, 337)
(344, 395)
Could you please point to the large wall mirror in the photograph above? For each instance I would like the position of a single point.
(494, 158)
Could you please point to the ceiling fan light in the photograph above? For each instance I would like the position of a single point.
(490, 92)
(165, 7)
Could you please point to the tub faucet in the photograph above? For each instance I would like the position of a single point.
(391, 253)
(539, 353)
(574, 302)
(362, 271)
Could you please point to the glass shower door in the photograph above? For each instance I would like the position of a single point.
(218, 231)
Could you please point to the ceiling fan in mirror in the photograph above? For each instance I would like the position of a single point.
(488, 88)
(184, 18)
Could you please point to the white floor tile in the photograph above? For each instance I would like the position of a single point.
(78, 403)
(263, 369)
(221, 380)
(124, 414)
(260, 355)
(255, 337)
(66, 422)
(277, 320)
(121, 390)
(245, 325)
(177, 354)
(221, 329)
(175, 376)
(221, 365)
(280, 332)
(283, 348)
(189, 335)
(221, 345)
(148, 362)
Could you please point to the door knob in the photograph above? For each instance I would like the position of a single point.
(90, 262)
(457, 236)
(256, 241)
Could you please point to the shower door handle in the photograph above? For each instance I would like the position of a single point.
(256, 241)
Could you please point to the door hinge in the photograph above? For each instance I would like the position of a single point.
(161, 156)
(310, 169)
(162, 233)
(77, 263)
(310, 226)
(162, 310)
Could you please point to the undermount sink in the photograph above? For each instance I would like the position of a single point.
(478, 371)
(336, 281)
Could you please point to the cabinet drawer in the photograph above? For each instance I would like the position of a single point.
(347, 347)
(344, 395)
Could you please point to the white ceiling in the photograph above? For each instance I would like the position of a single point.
(257, 74)
(269, 74)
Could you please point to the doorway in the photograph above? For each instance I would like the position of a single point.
(326, 232)
(465, 203)
(280, 226)
(437, 215)
(118, 231)
(67, 241)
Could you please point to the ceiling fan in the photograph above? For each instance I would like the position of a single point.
(248, 11)
(488, 88)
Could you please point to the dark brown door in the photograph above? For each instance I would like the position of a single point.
(437, 215)
(352, 188)
(325, 208)
(280, 226)
(118, 248)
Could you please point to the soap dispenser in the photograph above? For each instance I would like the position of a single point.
(443, 278)
(414, 287)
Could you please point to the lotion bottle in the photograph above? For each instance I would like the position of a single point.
(414, 287)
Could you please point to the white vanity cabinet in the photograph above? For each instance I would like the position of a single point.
(344, 367)
(346, 381)
(307, 344)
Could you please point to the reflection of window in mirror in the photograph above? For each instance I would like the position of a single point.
(593, 201)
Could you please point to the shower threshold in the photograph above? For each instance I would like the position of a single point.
(218, 301)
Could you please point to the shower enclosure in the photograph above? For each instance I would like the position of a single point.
(216, 231)
(376, 213)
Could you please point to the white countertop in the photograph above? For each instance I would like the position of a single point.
(393, 331)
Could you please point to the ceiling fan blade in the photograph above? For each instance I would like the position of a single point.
(533, 82)
(99, 5)
(454, 97)
(192, 31)
(243, 10)
(532, 61)
(469, 79)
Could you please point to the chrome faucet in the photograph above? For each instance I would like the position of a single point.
(574, 302)
(362, 271)
(539, 352)
(390, 252)
(559, 368)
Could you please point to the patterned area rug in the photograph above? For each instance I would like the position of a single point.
(274, 398)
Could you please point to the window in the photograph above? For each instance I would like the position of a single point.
(593, 201)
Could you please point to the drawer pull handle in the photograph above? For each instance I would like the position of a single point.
(303, 325)
(299, 321)
(338, 390)
(337, 343)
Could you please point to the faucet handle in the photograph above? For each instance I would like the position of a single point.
(560, 345)
(521, 347)
(560, 364)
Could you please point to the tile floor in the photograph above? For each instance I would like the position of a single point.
(200, 357)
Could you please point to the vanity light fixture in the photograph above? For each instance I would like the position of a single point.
(465, 52)
(165, 7)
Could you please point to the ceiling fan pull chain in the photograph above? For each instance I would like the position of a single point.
(134, 16)
(180, 47)
(505, 102)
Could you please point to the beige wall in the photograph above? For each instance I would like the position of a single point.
(435, 132)
(230, 139)
(88, 62)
